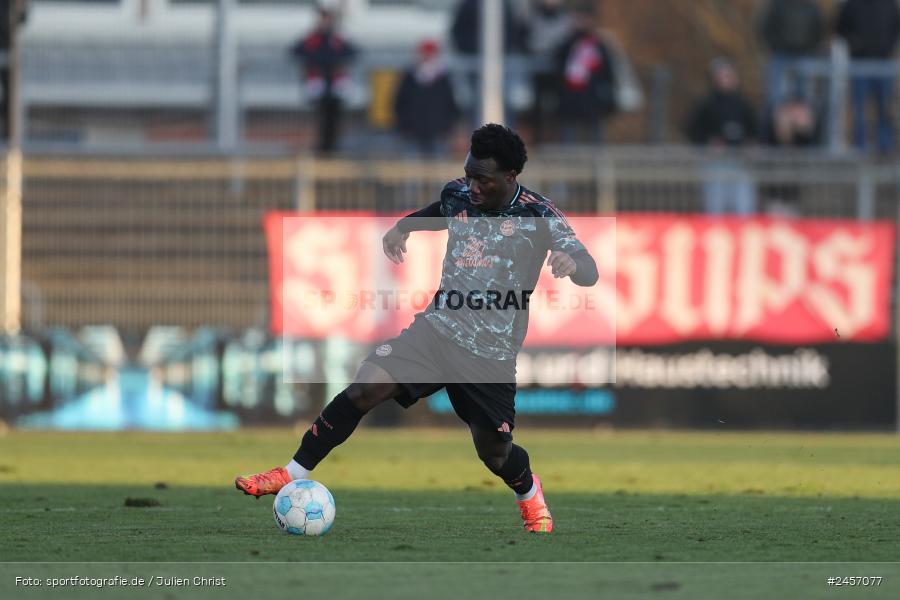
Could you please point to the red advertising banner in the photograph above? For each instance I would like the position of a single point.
(773, 280)
(664, 279)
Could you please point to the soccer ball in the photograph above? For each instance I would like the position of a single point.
(304, 507)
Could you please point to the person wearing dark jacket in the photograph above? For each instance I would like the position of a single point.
(721, 121)
(466, 28)
(424, 107)
(8, 25)
(725, 117)
(465, 34)
(551, 24)
(587, 96)
(324, 55)
(871, 29)
(793, 30)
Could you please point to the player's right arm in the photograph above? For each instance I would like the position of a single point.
(430, 218)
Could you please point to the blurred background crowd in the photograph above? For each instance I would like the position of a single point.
(354, 76)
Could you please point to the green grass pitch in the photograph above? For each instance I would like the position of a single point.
(665, 503)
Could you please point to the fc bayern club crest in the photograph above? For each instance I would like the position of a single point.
(383, 350)
(507, 227)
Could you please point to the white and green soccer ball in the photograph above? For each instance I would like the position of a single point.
(304, 507)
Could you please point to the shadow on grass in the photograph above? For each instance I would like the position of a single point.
(92, 523)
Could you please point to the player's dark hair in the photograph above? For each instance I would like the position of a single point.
(500, 143)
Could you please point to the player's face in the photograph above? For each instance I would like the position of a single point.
(489, 187)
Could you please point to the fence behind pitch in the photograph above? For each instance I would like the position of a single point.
(141, 242)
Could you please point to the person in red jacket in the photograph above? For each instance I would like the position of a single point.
(324, 55)
(587, 96)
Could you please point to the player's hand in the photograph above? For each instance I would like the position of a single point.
(561, 264)
(394, 245)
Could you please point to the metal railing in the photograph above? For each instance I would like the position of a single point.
(137, 243)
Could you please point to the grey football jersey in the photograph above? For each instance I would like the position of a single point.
(492, 265)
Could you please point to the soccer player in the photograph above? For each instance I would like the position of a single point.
(499, 234)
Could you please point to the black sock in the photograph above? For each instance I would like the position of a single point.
(516, 472)
(330, 429)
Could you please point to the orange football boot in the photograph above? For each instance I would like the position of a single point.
(269, 482)
(535, 514)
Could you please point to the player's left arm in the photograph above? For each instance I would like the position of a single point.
(568, 256)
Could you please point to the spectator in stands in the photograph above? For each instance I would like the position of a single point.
(725, 120)
(466, 28)
(465, 32)
(551, 24)
(793, 31)
(871, 29)
(587, 96)
(8, 22)
(424, 106)
(324, 55)
(792, 124)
